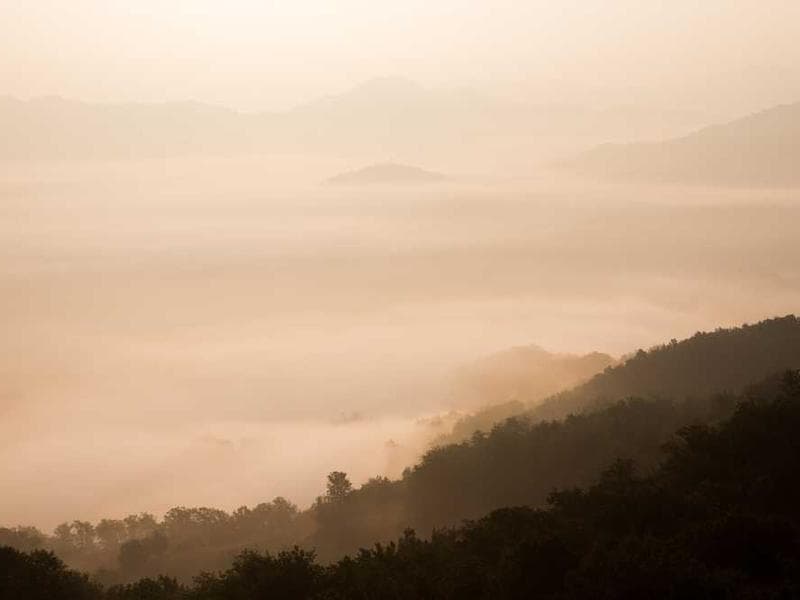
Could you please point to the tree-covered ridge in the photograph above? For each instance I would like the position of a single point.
(518, 462)
(526, 372)
(719, 517)
(504, 384)
(184, 542)
(722, 361)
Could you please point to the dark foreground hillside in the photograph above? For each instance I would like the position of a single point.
(717, 362)
(718, 518)
(720, 361)
(518, 463)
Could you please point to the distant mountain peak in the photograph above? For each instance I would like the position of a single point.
(760, 149)
(386, 173)
(388, 84)
(376, 92)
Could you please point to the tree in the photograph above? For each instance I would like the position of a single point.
(135, 556)
(111, 533)
(63, 535)
(160, 588)
(290, 575)
(41, 575)
(22, 538)
(141, 525)
(339, 486)
(77, 536)
(84, 534)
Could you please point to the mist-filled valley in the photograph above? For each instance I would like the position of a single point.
(430, 301)
(220, 331)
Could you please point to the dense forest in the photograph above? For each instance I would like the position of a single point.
(620, 417)
(722, 361)
(718, 517)
(380, 300)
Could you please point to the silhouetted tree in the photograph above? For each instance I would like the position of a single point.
(338, 486)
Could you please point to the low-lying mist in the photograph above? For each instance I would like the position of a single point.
(223, 331)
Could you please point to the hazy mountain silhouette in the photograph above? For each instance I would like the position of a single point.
(383, 116)
(518, 463)
(723, 361)
(386, 173)
(379, 93)
(762, 149)
(53, 127)
(529, 372)
(507, 383)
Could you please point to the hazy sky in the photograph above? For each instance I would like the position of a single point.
(259, 54)
(222, 329)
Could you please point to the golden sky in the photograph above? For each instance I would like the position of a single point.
(258, 54)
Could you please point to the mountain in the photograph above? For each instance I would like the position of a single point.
(721, 361)
(520, 462)
(506, 383)
(627, 411)
(380, 93)
(386, 173)
(56, 128)
(762, 149)
(381, 117)
(718, 516)
(527, 372)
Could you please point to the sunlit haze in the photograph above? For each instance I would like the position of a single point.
(722, 55)
(248, 246)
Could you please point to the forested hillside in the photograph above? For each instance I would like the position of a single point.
(721, 361)
(625, 413)
(717, 518)
(505, 384)
(724, 360)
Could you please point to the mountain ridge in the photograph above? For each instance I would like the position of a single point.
(759, 149)
(380, 117)
(386, 173)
